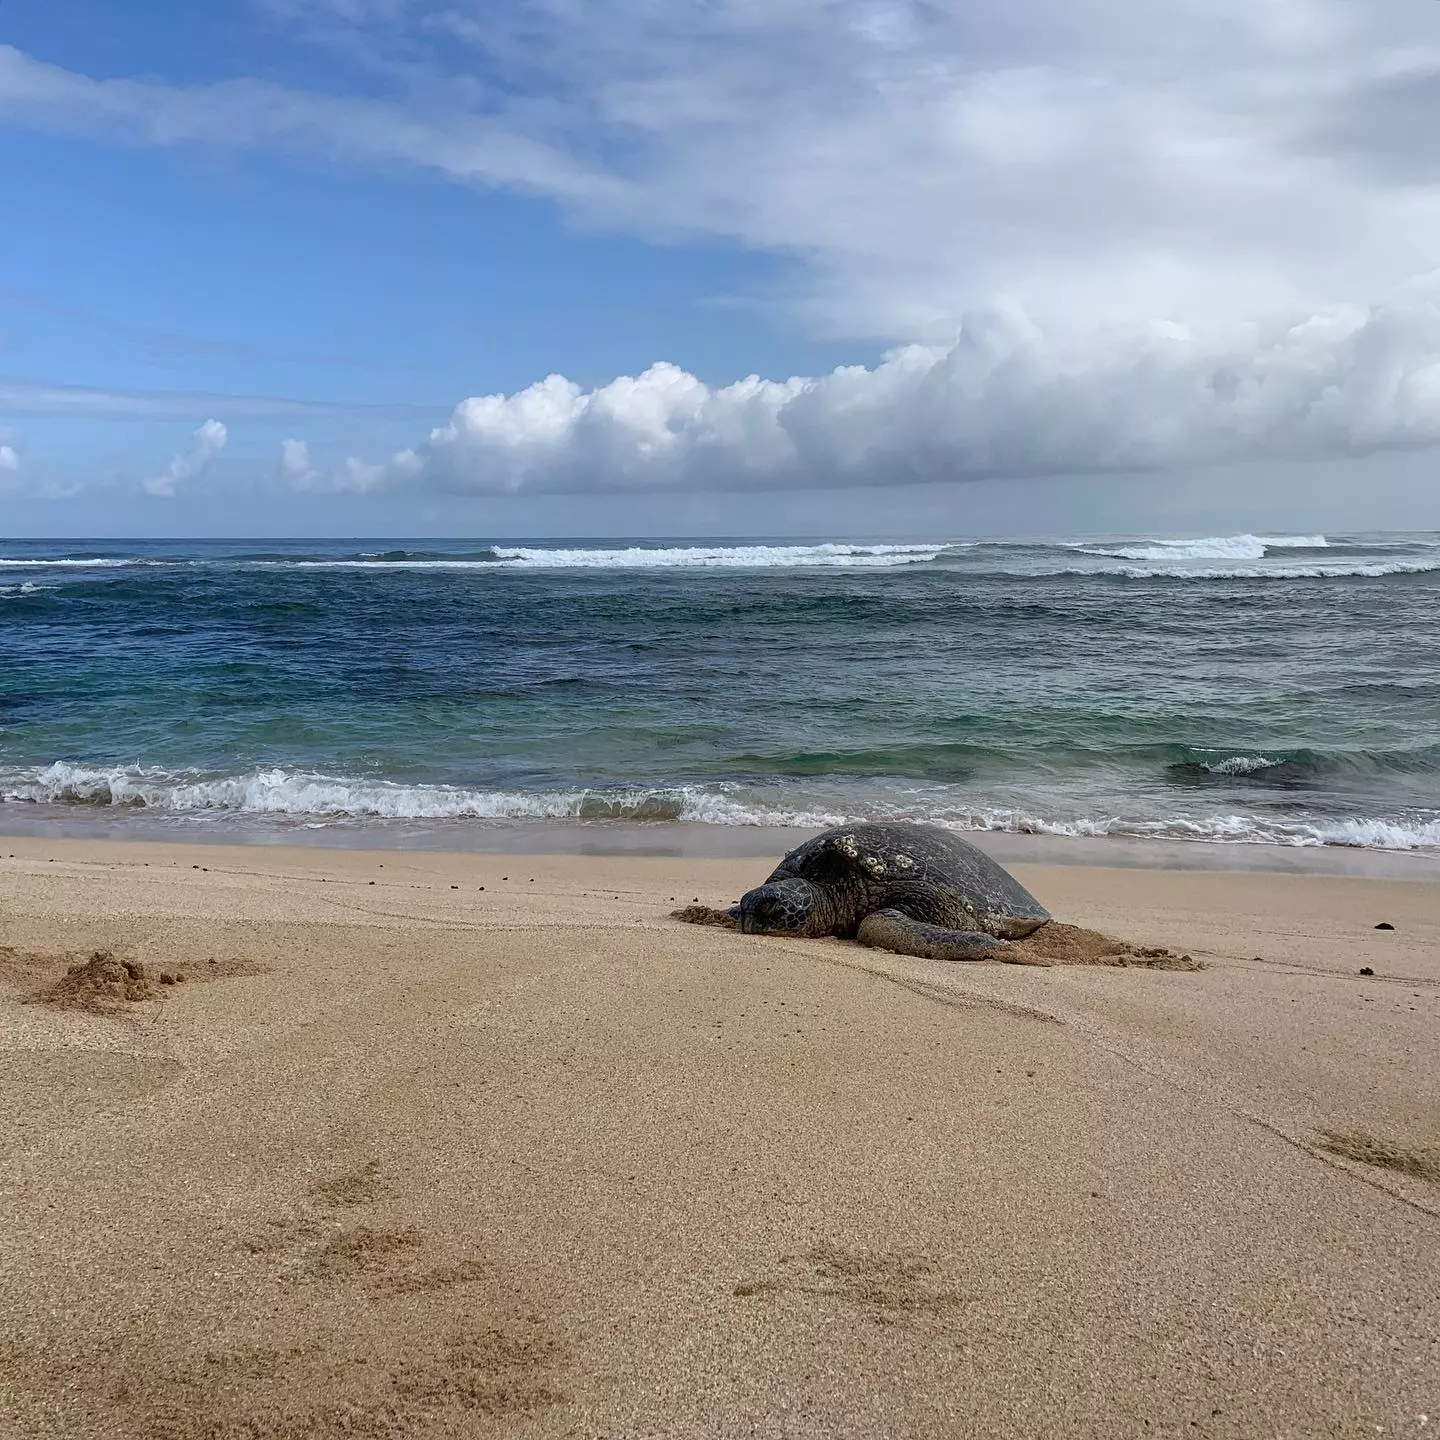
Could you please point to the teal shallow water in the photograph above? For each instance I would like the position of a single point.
(1280, 689)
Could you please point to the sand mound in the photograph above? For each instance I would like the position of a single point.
(1052, 944)
(103, 984)
(704, 915)
(1057, 944)
(1369, 1150)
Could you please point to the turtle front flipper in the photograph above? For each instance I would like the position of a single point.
(894, 930)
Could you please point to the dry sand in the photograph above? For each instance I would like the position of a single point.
(416, 1158)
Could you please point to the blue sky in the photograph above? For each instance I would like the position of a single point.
(306, 265)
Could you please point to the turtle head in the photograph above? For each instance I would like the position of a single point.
(781, 907)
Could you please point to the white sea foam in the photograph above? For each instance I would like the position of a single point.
(7, 563)
(1239, 764)
(1360, 833)
(1378, 835)
(314, 798)
(762, 557)
(1350, 569)
(279, 792)
(1219, 557)
(640, 557)
(1214, 547)
(722, 556)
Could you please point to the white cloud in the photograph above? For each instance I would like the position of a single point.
(89, 402)
(295, 468)
(1123, 204)
(9, 460)
(1008, 398)
(299, 472)
(251, 113)
(208, 441)
(1089, 158)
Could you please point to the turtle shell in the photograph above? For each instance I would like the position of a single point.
(923, 871)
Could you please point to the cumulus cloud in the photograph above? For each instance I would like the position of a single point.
(208, 441)
(1007, 398)
(9, 460)
(296, 470)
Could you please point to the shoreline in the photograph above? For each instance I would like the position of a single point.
(695, 840)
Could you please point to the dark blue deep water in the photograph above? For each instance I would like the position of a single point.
(1282, 689)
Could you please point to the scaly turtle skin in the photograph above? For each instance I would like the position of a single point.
(913, 889)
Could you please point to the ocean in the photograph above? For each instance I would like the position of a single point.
(1278, 689)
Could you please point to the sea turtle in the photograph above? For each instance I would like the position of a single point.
(914, 889)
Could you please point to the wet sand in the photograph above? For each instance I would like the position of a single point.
(681, 839)
(417, 1158)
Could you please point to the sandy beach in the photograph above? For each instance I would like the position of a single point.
(434, 1144)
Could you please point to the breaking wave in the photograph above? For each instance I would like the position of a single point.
(1357, 569)
(1367, 833)
(1306, 766)
(1238, 765)
(303, 796)
(485, 555)
(1229, 557)
(640, 557)
(1215, 557)
(711, 556)
(1215, 547)
(75, 563)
